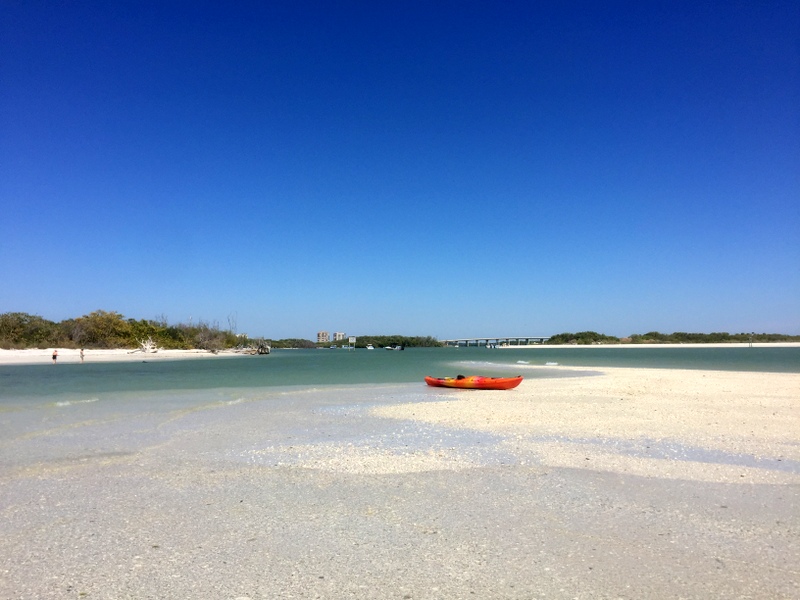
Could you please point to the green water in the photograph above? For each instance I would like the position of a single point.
(338, 367)
(50, 413)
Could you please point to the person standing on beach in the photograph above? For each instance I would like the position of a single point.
(55, 356)
(81, 355)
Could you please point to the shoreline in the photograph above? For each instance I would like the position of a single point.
(729, 427)
(37, 356)
(636, 483)
(710, 345)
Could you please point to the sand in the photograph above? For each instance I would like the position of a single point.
(624, 420)
(618, 483)
(71, 355)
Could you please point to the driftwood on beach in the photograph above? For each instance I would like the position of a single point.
(260, 348)
(147, 346)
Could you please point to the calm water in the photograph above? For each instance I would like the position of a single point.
(49, 414)
(337, 367)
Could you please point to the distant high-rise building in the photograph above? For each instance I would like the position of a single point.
(323, 337)
(338, 336)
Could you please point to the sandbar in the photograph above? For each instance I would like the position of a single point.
(652, 422)
(611, 483)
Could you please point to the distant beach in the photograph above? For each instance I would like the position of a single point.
(715, 345)
(72, 355)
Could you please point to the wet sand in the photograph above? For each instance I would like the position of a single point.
(628, 483)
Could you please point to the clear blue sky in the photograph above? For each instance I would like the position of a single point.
(423, 168)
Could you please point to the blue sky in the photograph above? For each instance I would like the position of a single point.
(424, 168)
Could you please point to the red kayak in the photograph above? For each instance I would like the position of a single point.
(475, 382)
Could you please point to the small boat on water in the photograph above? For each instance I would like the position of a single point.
(475, 382)
(370, 347)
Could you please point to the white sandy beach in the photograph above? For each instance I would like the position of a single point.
(38, 356)
(626, 483)
(610, 420)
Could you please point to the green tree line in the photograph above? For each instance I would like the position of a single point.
(291, 343)
(583, 338)
(678, 337)
(102, 329)
(381, 341)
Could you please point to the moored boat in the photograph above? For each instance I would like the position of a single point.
(475, 382)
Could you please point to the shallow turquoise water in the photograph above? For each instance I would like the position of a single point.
(771, 360)
(337, 367)
(49, 413)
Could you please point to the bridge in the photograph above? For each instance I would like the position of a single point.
(514, 341)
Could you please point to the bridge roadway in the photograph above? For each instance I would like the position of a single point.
(508, 341)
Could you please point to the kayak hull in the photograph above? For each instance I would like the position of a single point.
(475, 382)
